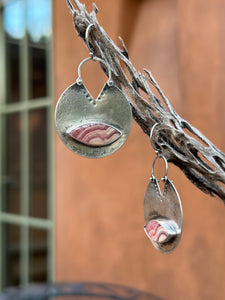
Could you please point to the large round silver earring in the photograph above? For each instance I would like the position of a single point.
(93, 127)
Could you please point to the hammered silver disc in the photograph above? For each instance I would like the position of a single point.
(165, 211)
(109, 117)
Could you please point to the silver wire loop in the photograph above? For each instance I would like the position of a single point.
(87, 36)
(151, 134)
(94, 58)
(166, 167)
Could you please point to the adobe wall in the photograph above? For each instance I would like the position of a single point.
(99, 214)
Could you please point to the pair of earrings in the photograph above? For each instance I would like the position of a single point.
(91, 127)
(96, 128)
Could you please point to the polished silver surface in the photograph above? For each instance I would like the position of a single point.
(76, 107)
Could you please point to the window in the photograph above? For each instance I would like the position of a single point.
(26, 224)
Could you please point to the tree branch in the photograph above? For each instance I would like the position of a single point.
(197, 157)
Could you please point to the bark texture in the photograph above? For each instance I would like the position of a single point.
(176, 139)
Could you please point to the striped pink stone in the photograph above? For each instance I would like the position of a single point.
(156, 232)
(95, 134)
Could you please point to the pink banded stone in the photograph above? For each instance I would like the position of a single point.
(161, 231)
(95, 134)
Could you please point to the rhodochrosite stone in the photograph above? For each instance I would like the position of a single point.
(161, 231)
(95, 134)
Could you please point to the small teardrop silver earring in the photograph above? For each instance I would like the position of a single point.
(163, 213)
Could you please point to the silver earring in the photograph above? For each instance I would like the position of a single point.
(162, 211)
(93, 127)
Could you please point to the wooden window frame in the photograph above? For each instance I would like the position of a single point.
(24, 107)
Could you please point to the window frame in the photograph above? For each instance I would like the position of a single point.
(24, 107)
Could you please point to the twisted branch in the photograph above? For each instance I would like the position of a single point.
(181, 143)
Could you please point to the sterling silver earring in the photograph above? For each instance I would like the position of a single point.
(162, 211)
(93, 127)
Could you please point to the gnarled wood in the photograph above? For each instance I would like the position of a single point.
(180, 142)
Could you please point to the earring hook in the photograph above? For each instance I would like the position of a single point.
(87, 37)
(94, 58)
(158, 154)
(151, 135)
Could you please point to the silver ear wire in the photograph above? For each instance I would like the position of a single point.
(151, 135)
(94, 58)
(158, 155)
(87, 33)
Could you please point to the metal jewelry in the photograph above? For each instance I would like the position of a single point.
(93, 127)
(162, 211)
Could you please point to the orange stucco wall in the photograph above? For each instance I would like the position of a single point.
(99, 218)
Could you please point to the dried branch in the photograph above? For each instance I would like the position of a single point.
(197, 157)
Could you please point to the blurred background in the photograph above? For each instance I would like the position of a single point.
(68, 218)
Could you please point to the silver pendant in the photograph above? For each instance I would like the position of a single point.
(93, 127)
(162, 213)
